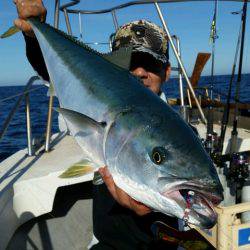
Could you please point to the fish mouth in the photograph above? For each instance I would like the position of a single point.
(199, 205)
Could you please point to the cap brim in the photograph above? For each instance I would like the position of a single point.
(162, 58)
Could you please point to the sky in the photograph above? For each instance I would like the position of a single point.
(189, 21)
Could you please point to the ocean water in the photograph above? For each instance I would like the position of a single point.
(15, 137)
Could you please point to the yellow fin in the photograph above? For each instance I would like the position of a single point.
(11, 31)
(78, 169)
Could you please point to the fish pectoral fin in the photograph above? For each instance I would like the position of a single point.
(120, 57)
(88, 133)
(11, 31)
(81, 121)
(80, 168)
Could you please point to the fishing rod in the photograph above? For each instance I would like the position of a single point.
(238, 170)
(238, 83)
(213, 36)
(225, 118)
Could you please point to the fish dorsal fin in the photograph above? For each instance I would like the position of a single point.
(88, 133)
(120, 57)
(35, 22)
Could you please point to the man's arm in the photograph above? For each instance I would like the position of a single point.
(26, 9)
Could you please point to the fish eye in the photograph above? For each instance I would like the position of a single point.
(159, 155)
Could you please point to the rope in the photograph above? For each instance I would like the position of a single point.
(19, 94)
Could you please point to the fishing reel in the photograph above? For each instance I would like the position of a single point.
(219, 160)
(211, 143)
(238, 171)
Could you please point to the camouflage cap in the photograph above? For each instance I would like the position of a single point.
(145, 37)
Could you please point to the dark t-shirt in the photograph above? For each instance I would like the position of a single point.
(120, 228)
(35, 57)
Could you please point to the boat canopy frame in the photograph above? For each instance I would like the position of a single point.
(125, 5)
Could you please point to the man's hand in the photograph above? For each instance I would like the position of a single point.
(120, 196)
(26, 9)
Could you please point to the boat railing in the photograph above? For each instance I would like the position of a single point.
(22, 96)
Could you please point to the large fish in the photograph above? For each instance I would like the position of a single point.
(152, 154)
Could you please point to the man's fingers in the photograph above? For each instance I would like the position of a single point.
(27, 8)
(108, 180)
(120, 196)
(24, 26)
(25, 12)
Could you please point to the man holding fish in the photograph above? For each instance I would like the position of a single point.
(153, 72)
(115, 226)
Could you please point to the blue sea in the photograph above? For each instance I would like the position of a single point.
(15, 137)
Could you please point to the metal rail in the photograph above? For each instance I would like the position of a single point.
(15, 108)
(28, 122)
(80, 25)
(56, 15)
(49, 122)
(125, 5)
(180, 73)
(179, 61)
(183, 108)
(115, 21)
(51, 98)
(67, 21)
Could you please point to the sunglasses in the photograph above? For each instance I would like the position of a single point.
(147, 62)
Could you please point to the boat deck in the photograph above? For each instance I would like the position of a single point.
(28, 185)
